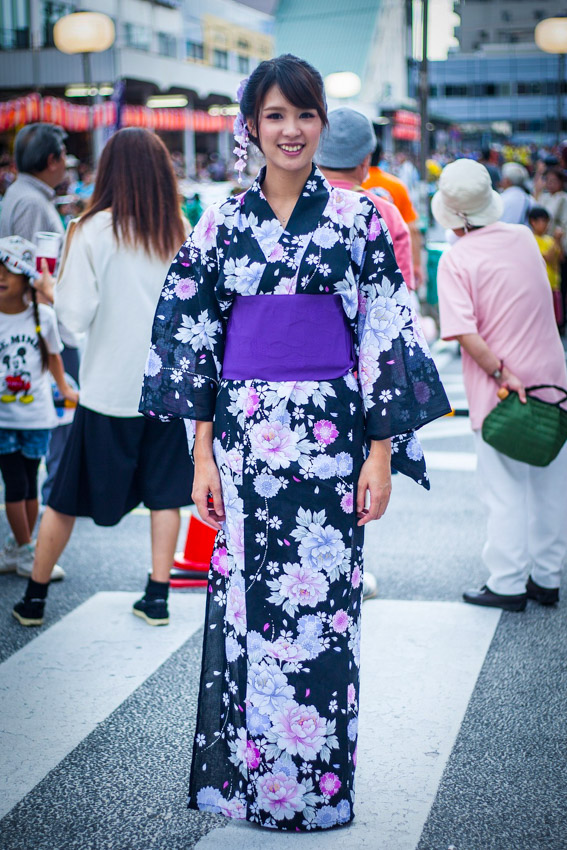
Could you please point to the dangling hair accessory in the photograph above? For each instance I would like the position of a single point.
(241, 135)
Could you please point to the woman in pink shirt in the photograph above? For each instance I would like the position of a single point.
(494, 298)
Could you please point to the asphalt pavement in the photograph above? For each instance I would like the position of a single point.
(462, 736)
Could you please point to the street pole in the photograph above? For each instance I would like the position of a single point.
(560, 78)
(88, 85)
(423, 94)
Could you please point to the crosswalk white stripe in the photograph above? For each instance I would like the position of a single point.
(56, 689)
(420, 663)
(452, 427)
(451, 461)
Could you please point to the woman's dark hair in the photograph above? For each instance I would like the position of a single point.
(377, 155)
(298, 81)
(135, 180)
(42, 344)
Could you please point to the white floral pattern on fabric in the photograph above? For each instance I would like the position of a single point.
(276, 737)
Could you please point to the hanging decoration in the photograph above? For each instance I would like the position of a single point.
(75, 118)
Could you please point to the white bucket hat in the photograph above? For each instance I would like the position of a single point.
(465, 197)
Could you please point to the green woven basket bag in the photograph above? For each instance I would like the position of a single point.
(533, 433)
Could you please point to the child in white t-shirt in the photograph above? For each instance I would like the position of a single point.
(29, 351)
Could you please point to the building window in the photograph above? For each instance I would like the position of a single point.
(243, 64)
(167, 45)
(220, 59)
(51, 12)
(195, 51)
(532, 88)
(138, 37)
(455, 91)
(15, 39)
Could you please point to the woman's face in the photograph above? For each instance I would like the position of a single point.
(289, 135)
(552, 183)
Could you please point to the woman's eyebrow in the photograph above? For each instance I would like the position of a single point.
(278, 106)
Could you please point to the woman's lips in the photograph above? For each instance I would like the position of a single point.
(291, 150)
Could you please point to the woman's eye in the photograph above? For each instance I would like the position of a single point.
(307, 115)
(274, 115)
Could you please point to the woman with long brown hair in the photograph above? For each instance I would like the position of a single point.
(115, 258)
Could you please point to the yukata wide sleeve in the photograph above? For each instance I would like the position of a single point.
(400, 385)
(184, 362)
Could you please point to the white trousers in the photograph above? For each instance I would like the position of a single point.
(527, 519)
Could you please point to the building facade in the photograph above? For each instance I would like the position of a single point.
(499, 84)
(370, 38)
(182, 47)
(502, 21)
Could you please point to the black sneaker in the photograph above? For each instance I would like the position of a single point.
(29, 612)
(153, 611)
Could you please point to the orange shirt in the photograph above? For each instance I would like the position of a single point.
(394, 186)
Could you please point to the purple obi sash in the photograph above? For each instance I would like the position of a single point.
(287, 338)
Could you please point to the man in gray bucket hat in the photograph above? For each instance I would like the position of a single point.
(343, 156)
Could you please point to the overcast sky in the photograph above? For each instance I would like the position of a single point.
(442, 21)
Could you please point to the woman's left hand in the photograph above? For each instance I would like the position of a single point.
(376, 478)
(70, 394)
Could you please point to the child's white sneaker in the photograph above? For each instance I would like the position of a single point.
(24, 563)
(9, 555)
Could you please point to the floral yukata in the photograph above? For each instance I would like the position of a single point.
(276, 738)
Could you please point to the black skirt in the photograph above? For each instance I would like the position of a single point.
(110, 464)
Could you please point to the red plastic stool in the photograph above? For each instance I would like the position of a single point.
(190, 567)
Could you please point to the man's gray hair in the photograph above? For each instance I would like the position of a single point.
(35, 143)
(515, 173)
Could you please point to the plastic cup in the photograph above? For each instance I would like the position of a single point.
(47, 249)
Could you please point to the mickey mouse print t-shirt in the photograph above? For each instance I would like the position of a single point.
(26, 400)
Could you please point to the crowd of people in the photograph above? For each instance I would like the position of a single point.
(281, 418)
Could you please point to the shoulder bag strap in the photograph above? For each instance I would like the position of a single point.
(550, 387)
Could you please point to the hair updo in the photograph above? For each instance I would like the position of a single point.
(298, 81)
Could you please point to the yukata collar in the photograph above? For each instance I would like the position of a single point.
(309, 207)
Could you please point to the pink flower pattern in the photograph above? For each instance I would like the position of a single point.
(280, 795)
(219, 561)
(325, 432)
(282, 630)
(330, 784)
(299, 730)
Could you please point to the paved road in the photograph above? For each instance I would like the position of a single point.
(462, 732)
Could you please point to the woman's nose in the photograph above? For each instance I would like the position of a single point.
(291, 128)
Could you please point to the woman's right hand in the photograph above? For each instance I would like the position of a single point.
(512, 383)
(205, 482)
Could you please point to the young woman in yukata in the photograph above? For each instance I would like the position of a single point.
(284, 330)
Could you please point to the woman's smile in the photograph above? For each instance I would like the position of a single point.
(291, 149)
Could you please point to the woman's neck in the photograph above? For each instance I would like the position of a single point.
(280, 185)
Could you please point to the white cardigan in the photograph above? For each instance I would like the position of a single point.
(110, 292)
